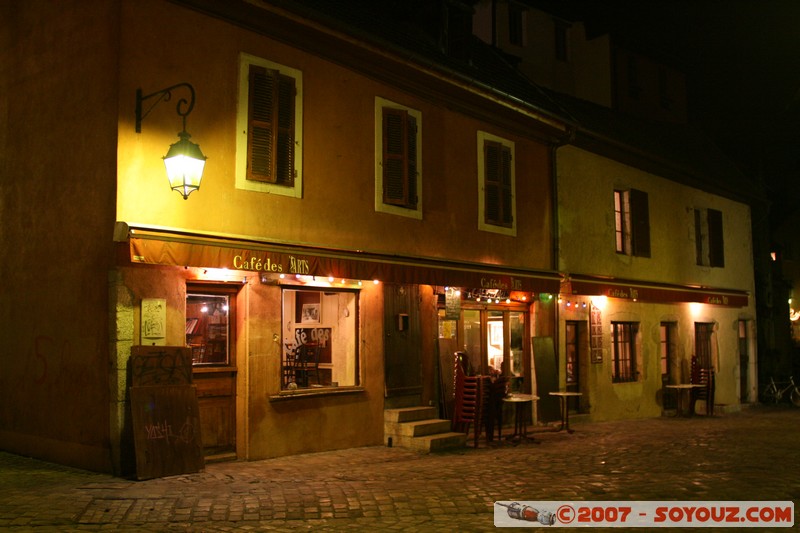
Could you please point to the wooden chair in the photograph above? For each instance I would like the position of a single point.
(494, 415)
(471, 400)
(703, 376)
(307, 362)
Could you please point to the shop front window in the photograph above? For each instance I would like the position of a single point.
(208, 328)
(493, 340)
(319, 339)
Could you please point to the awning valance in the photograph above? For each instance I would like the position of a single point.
(167, 247)
(653, 292)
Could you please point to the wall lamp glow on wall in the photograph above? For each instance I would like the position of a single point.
(184, 160)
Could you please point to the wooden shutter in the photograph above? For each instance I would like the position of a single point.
(698, 236)
(640, 223)
(716, 248)
(270, 140)
(497, 184)
(399, 158)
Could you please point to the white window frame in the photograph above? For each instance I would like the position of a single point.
(482, 225)
(380, 206)
(241, 181)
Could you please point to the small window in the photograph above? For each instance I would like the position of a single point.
(268, 149)
(634, 86)
(516, 24)
(398, 159)
(320, 348)
(624, 364)
(561, 41)
(496, 200)
(209, 320)
(709, 245)
(632, 222)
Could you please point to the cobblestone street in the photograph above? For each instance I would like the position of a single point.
(751, 455)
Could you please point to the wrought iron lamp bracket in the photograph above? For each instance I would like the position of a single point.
(183, 108)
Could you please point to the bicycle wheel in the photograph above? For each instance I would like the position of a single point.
(770, 394)
(795, 396)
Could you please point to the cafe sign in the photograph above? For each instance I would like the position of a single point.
(207, 252)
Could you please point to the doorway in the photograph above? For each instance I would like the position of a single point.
(573, 343)
(211, 335)
(670, 373)
(744, 362)
(494, 341)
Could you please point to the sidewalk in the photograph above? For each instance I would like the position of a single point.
(752, 455)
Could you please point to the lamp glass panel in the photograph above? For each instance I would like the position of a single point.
(184, 171)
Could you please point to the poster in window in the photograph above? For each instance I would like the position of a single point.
(596, 334)
(310, 314)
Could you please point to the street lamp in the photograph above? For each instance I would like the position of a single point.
(184, 160)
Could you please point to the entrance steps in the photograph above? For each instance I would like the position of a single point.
(418, 428)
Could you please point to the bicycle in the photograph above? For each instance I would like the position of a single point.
(775, 391)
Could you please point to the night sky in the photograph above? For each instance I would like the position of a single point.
(742, 58)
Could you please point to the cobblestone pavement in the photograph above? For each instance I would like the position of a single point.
(752, 455)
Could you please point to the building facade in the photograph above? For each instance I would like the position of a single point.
(655, 233)
(348, 190)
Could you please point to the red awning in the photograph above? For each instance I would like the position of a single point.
(165, 247)
(654, 292)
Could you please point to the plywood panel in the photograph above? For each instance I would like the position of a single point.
(166, 429)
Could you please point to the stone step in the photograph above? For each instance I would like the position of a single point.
(417, 428)
(434, 443)
(409, 414)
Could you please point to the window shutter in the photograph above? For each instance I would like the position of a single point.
(497, 184)
(505, 168)
(698, 236)
(284, 166)
(270, 142)
(399, 158)
(411, 161)
(491, 154)
(394, 156)
(716, 248)
(640, 223)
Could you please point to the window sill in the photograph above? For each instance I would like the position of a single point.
(315, 392)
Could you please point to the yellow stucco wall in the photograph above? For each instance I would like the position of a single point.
(337, 207)
(58, 125)
(586, 235)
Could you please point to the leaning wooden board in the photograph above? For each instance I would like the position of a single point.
(165, 413)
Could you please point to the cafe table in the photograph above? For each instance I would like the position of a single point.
(520, 419)
(563, 396)
(684, 394)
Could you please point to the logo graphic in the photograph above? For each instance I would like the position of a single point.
(529, 514)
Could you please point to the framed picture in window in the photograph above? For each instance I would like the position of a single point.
(310, 314)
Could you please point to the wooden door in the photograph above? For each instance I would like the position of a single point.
(402, 346)
(211, 333)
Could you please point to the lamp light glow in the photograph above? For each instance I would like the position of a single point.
(184, 161)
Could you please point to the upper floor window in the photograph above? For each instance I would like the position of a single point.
(624, 356)
(634, 86)
(496, 185)
(561, 41)
(269, 126)
(516, 24)
(398, 159)
(632, 222)
(709, 245)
